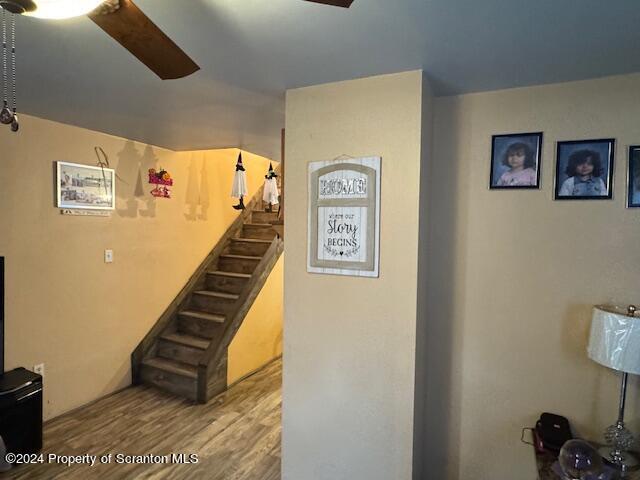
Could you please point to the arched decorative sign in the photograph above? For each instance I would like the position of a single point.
(344, 217)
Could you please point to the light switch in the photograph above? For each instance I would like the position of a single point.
(108, 256)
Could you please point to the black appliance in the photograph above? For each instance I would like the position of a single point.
(1, 315)
(21, 411)
(20, 399)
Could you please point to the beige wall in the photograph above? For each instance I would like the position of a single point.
(259, 339)
(349, 350)
(65, 307)
(513, 276)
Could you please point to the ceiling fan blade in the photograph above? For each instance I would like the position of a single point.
(335, 3)
(132, 29)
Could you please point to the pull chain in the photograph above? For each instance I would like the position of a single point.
(6, 115)
(5, 83)
(15, 126)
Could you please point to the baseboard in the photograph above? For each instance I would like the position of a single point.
(74, 410)
(253, 372)
(95, 400)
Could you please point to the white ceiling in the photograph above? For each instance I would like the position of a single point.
(251, 51)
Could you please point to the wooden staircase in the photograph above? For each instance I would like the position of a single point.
(186, 350)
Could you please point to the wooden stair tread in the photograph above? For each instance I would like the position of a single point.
(229, 274)
(250, 240)
(265, 225)
(211, 293)
(172, 366)
(240, 257)
(203, 315)
(187, 340)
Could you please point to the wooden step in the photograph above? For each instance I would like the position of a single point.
(258, 230)
(244, 276)
(211, 301)
(238, 263)
(181, 347)
(221, 295)
(172, 366)
(259, 216)
(186, 340)
(228, 282)
(175, 377)
(248, 246)
(200, 324)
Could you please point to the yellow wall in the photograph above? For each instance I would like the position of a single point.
(349, 350)
(65, 307)
(514, 275)
(259, 339)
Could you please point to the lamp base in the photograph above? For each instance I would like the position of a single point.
(625, 461)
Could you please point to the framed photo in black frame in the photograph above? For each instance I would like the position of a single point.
(515, 161)
(584, 169)
(633, 177)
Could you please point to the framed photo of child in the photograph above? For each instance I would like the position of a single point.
(633, 178)
(515, 161)
(584, 170)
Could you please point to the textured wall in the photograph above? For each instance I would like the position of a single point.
(64, 306)
(513, 276)
(349, 351)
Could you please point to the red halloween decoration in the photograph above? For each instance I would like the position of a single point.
(161, 180)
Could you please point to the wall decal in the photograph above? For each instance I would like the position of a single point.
(344, 217)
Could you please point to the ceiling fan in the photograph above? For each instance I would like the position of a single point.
(129, 26)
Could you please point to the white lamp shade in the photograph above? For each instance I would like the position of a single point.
(615, 339)
(60, 9)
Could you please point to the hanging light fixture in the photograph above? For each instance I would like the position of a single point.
(51, 9)
(48, 9)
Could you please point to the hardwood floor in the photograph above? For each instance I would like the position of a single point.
(236, 435)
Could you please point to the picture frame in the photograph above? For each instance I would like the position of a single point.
(344, 217)
(516, 160)
(633, 177)
(85, 187)
(584, 169)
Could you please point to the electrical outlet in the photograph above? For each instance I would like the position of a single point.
(39, 369)
(108, 256)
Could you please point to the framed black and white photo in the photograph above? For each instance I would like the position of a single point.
(584, 169)
(515, 161)
(85, 187)
(344, 217)
(633, 177)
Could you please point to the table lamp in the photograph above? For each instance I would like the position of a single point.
(615, 343)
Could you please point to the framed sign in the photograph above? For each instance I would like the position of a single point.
(633, 178)
(85, 187)
(344, 217)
